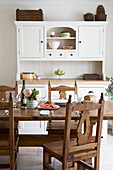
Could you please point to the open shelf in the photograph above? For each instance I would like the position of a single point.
(64, 41)
(61, 50)
(61, 38)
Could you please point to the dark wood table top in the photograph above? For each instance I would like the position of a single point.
(34, 114)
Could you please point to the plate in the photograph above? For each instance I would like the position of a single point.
(57, 107)
(62, 102)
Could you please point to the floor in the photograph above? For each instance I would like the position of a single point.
(31, 158)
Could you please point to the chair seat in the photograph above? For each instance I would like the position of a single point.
(4, 125)
(55, 149)
(4, 141)
(58, 127)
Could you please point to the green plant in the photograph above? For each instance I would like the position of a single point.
(109, 90)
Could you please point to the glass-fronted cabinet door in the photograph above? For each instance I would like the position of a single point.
(31, 41)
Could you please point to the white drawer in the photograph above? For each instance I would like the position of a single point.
(60, 54)
(71, 54)
(50, 54)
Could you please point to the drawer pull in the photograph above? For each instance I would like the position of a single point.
(71, 54)
(60, 54)
(80, 42)
(50, 54)
(41, 41)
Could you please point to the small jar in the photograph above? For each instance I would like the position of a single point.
(38, 77)
(52, 34)
(66, 34)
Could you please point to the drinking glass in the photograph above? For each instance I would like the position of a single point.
(43, 96)
(15, 100)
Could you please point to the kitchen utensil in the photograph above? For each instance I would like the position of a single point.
(57, 107)
(54, 44)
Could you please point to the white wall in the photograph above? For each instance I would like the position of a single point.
(53, 10)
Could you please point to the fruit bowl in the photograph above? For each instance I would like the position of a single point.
(54, 44)
(59, 73)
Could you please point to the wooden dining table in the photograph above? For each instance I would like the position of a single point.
(59, 114)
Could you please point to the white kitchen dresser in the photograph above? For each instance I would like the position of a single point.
(35, 55)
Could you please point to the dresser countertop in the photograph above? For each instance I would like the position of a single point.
(65, 81)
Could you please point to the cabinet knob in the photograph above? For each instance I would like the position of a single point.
(41, 41)
(71, 54)
(80, 42)
(50, 54)
(60, 54)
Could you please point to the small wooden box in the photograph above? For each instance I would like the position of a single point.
(29, 15)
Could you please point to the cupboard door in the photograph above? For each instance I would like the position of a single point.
(31, 41)
(91, 42)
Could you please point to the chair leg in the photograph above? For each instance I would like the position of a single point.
(64, 166)
(75, 166)
(12, 160)
(15, 160)
(46, 159)
(96, 164)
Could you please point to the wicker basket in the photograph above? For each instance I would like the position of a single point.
(100, 16)
(88, 17)
(100, 10)
(29, 15)
(91, 77)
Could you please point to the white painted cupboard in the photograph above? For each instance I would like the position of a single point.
(87, 39)
(35, 55)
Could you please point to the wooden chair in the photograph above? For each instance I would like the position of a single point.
(4, 89)
(77, 150)
(4, 125)
(56, 127)
(8, 142)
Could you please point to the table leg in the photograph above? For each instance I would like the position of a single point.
(112, 126)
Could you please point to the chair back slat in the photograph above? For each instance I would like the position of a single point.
(4, 89)
(4, 105)
(83, 128)
(9, 106)
(84, 121)
(62, 90)
(85, 106)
